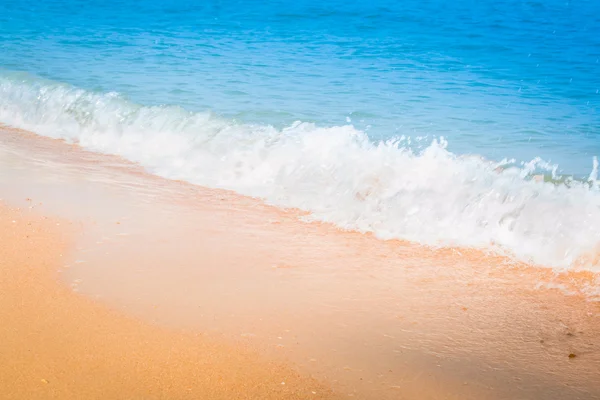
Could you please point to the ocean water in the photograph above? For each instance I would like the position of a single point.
(421, 120)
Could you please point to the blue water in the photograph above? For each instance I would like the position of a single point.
(385, 117)
(502, 79)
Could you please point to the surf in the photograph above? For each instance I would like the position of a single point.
(337, 174)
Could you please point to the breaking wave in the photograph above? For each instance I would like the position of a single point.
(338, 174)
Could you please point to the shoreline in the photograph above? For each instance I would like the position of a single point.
(380, 319)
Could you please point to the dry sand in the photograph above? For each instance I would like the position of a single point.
(55, 344)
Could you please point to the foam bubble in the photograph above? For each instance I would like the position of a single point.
(337, 173)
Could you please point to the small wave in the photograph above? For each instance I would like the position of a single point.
(336, 173)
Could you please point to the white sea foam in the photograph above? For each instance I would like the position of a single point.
(337, 173)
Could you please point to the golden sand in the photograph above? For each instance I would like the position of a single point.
(55, 344)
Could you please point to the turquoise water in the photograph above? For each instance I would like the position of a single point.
(422, 120)
(515, 79)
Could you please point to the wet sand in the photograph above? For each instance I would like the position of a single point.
(372, 319)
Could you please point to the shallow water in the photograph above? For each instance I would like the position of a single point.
(501, 79)
(211, 93)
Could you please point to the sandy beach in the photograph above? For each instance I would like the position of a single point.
(119, 284)
(55, 344)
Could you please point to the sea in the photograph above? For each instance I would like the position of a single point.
(470, 124)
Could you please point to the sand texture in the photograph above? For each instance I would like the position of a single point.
(55, 344)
